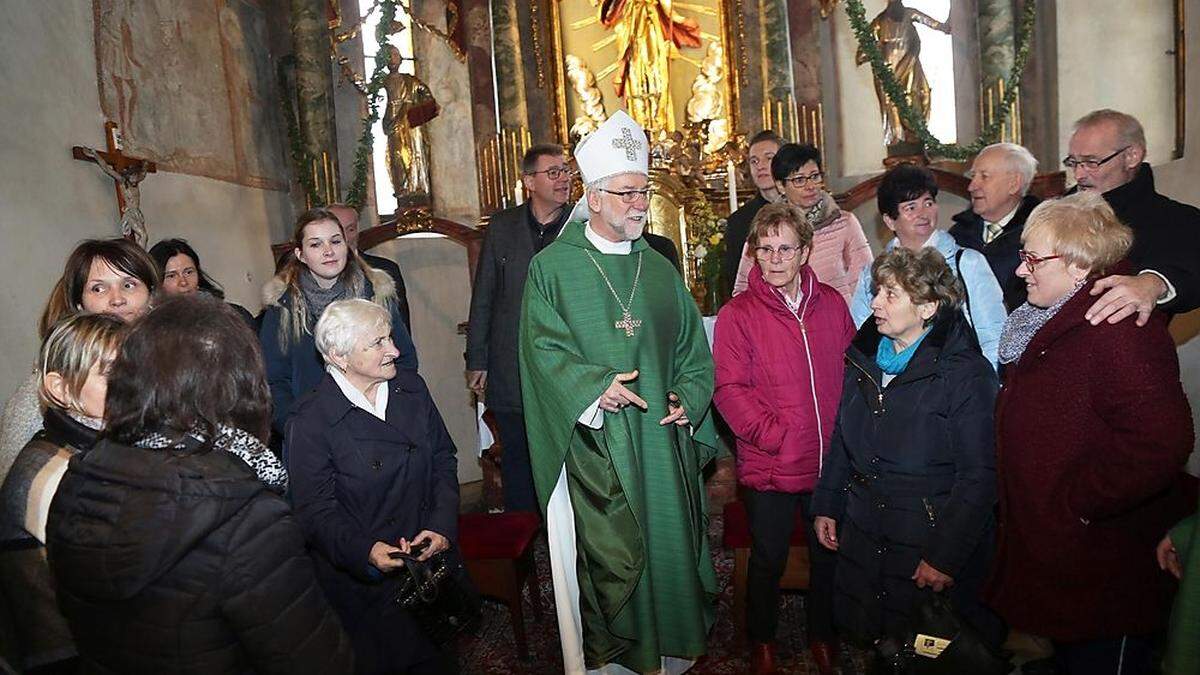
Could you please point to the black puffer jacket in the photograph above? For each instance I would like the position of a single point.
(183, 562)
(910, 476)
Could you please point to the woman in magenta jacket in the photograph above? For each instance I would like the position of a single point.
(778, 351)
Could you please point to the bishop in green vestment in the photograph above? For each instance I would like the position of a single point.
(608, 327)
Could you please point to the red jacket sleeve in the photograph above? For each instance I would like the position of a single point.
(745, 409)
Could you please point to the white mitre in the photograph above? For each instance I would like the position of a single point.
(617, 146)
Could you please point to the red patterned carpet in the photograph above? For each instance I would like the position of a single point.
(493, 650)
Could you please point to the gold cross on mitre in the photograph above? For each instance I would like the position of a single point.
(627, 143)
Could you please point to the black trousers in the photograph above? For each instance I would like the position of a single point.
(772, 516)
(515, 470)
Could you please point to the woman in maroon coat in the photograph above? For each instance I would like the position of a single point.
(1092, 429)
(778, 355)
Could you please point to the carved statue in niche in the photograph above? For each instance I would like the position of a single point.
(591, 101)
(409, 105)
(648, 35)
(707, 104)
(895, 31)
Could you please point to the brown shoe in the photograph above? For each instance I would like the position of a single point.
(762, 658)
(824, 656)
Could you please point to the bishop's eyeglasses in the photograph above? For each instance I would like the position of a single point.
(630, 196)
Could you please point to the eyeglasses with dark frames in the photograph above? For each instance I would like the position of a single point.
(553, 173)
(630, 196)
(1032, 261)
(802, 180)
(1090, 164)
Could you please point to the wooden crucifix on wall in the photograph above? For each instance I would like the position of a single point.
(126, 173)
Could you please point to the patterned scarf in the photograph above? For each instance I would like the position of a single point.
(1025, 322)
(823, 213)
(235, 441)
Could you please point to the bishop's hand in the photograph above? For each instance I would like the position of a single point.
(678, 416)
(617, 396)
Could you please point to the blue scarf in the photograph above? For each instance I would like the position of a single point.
(892, 362)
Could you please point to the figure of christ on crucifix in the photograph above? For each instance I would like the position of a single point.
(648, 35)
(127, 172)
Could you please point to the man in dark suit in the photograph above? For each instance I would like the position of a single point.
(763, 147)
(1000, 204)
(1107, 155)
(513, 237)
(348, 217)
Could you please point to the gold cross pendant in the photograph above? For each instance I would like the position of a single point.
(628, 324)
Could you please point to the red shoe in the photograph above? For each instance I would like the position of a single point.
(762, 659)
(824, 656)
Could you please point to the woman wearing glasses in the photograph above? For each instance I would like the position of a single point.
(778, 356)
(840, 250)
(1092, 429)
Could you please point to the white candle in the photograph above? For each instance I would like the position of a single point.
(731, 172)
(519, 193)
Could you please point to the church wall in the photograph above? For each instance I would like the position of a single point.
(859, 142)
(51, 201)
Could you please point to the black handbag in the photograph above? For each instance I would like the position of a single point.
(439, 595)
(940, 644)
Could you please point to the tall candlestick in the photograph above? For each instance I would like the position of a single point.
(731, 173)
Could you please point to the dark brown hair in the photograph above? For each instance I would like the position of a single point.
(121, 254)
(190, 364)
(533, 154)
(924, 275)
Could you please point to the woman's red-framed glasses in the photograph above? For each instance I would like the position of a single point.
(1032, 261)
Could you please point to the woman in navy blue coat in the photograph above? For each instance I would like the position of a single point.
(321, 270)
(373, 472)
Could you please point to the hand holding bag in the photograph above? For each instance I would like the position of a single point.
(941, 644)
(439, 595)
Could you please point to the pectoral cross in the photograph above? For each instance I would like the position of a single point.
(628, 324)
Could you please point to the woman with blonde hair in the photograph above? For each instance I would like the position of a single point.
(72, 381)
(322, 269)
(1092, 430)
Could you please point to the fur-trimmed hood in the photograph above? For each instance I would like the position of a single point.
(379, 283)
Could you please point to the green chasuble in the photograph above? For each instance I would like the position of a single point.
(646, 583)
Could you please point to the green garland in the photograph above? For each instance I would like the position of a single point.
(356, 196)
(300, 155)
(899, 98)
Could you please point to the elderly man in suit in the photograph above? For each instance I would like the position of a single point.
(513, 237)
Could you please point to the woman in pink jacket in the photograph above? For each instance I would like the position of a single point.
(778, 351)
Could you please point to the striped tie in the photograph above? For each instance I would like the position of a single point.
(991, 231)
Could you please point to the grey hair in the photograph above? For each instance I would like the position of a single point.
(1019, 160)
(343, 322)
(1129, 129)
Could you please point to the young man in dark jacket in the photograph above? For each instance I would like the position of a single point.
(763, 147)
(513, 237)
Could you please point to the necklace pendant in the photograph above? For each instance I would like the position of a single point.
(628, 324)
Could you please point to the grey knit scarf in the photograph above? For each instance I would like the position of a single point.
(317, 298)
(1025, 322)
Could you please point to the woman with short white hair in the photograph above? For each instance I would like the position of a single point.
(373, 473)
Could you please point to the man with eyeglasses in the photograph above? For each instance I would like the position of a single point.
(1107, 155)
(513, 237)
(763, 147)
(1000, 202)
(617, 377)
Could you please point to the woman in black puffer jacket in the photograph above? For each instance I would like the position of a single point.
(172, 551)
(908, 488)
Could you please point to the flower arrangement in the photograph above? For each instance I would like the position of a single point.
(706, 247)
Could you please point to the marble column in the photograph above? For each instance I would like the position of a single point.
(314, 83)
(510, 72)
(996, 39)
(746, 31)
(776, 50)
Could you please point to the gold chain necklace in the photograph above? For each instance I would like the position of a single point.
(627, 323)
